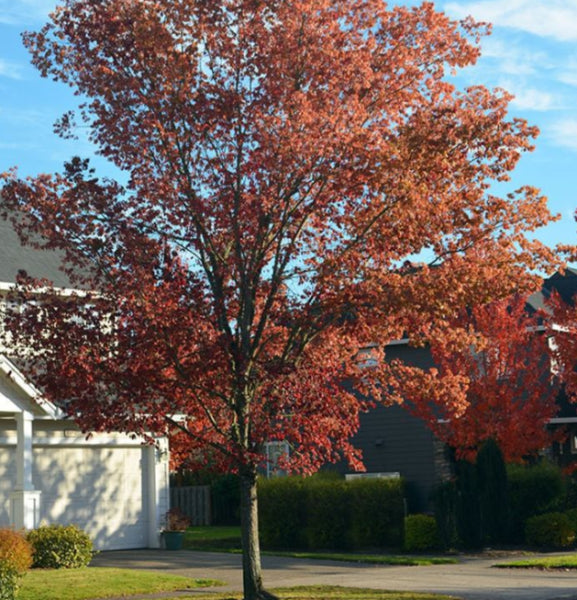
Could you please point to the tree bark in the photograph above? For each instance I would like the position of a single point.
(251, 564)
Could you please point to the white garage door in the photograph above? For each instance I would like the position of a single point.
(102, 490)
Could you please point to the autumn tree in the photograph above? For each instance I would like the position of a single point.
(283, 161)
(498, 359)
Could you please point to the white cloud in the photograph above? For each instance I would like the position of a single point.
(25, 117)
(568, 72)
(551, 18)
(10, 69)
(514, 58)
(22, 12)
(527, 98)
(564, 133)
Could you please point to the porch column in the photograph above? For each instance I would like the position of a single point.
(156, 459)
(24, 500)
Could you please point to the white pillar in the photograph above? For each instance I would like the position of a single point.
(156, 459)
(24, 499)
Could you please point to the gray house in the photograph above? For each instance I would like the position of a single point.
(396, 443)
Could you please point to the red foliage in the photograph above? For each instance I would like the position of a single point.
(495, 382)
(283, 159)
(562, 327)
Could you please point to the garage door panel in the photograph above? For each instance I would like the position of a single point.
(99, 489)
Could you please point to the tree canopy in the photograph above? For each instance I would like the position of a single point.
(286, 160)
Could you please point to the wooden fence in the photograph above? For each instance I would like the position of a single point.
(194, 502)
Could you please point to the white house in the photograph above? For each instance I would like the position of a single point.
(112, 486)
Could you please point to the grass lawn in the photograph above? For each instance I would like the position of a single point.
(566, 561)
(331, 593)
(213, 538)
(96, 582)
(227, 539)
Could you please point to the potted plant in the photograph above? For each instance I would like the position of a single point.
(175, 524)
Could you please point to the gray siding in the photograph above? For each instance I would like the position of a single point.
(393, 440)
(37, 263)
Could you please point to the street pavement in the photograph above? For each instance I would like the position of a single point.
(472, 579)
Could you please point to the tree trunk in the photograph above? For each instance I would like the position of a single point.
(251, 566)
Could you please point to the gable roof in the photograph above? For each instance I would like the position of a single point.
(15, 257)
(565, 284)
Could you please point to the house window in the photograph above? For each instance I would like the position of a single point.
(274, 452)
(573, 438)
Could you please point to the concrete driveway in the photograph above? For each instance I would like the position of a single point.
(471, 579)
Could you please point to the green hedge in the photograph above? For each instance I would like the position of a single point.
(282, 511)
(377, 518)
(328, 515)
(318, 513)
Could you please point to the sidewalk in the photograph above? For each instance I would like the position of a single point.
(471, 579)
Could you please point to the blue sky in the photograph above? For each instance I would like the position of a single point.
(532, 53)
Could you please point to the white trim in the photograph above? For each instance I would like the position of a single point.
(62, 442)
(559, 420)
(14, 375)
(59, 291)
(401, 342)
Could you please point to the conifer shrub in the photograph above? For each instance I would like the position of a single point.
(445, 503)
(468, 506)
(421, 533)
(551, 530)
(493, 500)
(15, 560)
(60, 547)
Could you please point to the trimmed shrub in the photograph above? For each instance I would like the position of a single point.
(282, 509)
(328, 515)
(60, 546)
(551, 530)
(15, 560)
(533, 490)
(421, 533)
(376, 512)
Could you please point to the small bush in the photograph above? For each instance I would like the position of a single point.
(572, 516)
(551, 530)
(60, 546)
(421, 533)
(15, 560)
(225, 498)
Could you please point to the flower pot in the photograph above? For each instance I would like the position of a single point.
(173, 539)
